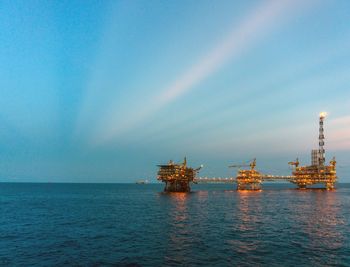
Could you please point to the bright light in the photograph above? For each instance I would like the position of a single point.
(323, 114)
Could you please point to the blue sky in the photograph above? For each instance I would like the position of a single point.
(102, 91)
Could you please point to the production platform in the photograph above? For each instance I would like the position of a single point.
(177, 177)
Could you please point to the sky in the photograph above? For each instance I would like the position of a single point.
(103, 91)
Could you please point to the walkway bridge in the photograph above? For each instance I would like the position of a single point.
(231, 180)
(177, 177)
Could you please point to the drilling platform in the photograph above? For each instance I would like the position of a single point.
(302, 176)
(317, 172)
(177, 177)
(249, 179)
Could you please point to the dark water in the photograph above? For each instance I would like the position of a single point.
(135, 225)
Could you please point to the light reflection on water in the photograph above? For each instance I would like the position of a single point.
(323, 220)
(122, 225)
(268, 224)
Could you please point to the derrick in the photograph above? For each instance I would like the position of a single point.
(177, 177)
(317, 172)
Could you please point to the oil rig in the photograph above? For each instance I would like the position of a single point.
(177, 177)
(302, 176)
(249, 179)
(317, 172)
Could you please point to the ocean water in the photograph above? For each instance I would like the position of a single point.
(138, 225)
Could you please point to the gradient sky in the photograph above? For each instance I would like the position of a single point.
(102, 91)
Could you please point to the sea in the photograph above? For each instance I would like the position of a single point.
(52, 224)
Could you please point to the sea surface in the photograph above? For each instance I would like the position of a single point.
(138, 225)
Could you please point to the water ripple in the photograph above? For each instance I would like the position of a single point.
(131, 225)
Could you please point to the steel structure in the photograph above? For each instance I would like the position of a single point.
(321, 151)
(177, 177)
(248, 179)
(302, 176)
(317, 172)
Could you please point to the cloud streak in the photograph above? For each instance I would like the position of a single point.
(255, 25)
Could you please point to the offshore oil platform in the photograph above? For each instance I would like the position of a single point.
(249, 179)
(177, 177)
(317, 172)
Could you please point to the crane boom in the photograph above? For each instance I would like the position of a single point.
(252, 165)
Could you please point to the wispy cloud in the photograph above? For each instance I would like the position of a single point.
(255, 25)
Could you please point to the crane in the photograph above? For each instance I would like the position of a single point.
(252, 165)
(294, 163)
